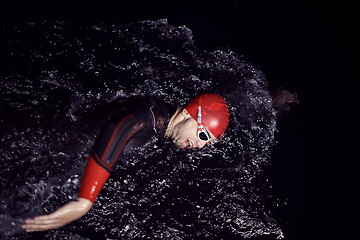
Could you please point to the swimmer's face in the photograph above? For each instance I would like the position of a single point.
(184, 131)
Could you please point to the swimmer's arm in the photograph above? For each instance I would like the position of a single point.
(64, 215)
(97, 171)
(102, 160)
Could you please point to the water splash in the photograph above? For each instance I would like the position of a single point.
(56, 73)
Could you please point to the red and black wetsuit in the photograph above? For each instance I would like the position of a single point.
(132, 125)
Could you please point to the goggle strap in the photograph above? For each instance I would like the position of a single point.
(201, 127)
(199, 120)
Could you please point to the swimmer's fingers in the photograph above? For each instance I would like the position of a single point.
(64, 215)
(43, 223)
(45, 219)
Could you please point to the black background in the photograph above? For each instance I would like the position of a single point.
(309, 45)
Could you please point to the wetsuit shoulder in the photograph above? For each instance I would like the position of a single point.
(133, 125)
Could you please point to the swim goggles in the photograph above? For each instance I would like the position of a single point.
(202, 132)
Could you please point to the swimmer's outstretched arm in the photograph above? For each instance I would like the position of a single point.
(101, 161)
(64, 215)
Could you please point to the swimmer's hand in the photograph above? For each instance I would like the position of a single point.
(64, 215)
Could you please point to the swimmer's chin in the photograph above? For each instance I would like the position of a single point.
(180, 146)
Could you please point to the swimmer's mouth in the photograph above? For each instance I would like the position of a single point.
(187, 144)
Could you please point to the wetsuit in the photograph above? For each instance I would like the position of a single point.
(133, 124)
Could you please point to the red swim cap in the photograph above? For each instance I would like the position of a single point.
(214, 110)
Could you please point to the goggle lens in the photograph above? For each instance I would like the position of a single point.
(203, 136)
(202, 132)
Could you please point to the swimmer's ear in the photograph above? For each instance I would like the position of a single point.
(185, 114)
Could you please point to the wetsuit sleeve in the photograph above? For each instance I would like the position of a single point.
(106, 150)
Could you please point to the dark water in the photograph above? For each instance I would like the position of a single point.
(55, 73)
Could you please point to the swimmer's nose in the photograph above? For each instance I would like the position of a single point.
(200, 144)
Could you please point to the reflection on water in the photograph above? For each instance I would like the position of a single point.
(56, 73)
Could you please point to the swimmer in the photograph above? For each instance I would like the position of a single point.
(203, 120)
